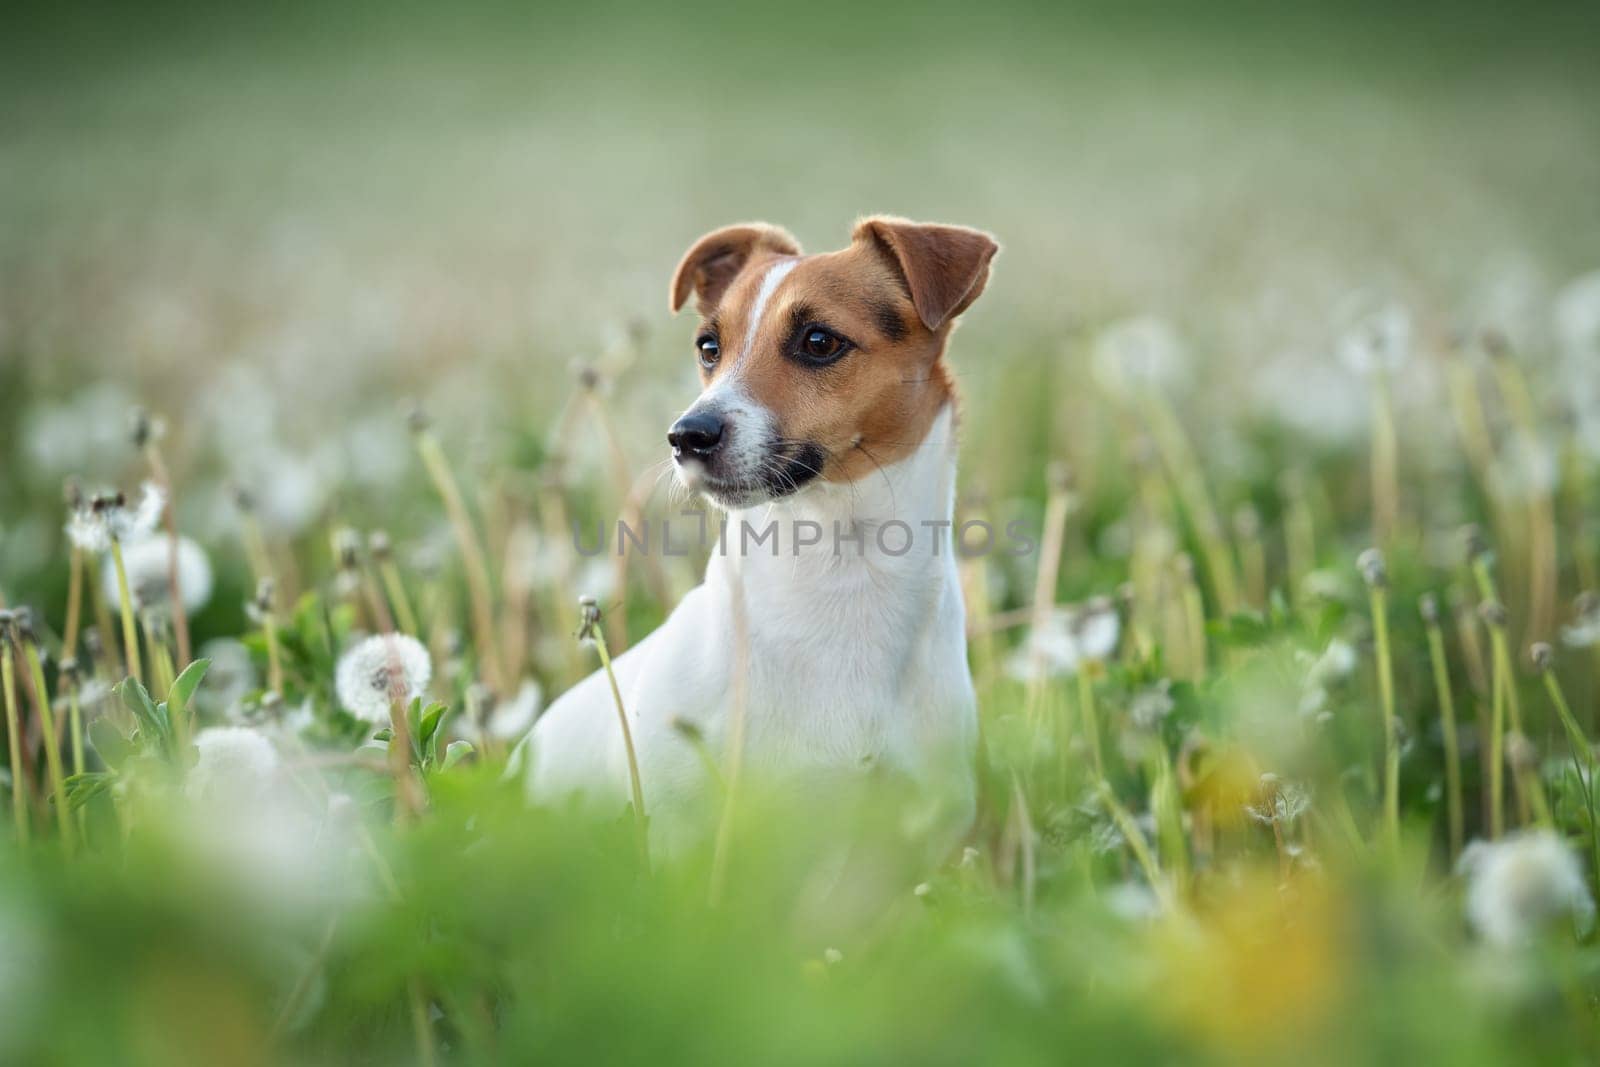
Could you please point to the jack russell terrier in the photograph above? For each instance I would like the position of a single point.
(827, 406)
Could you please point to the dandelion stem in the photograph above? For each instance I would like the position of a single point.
(1025, 840)
(1580, 746)
(405, 781)
(421, 1029)
(255, 546)
(75, 727)
(1447, 722)
(102, 622)
(397, 596)
(1542, 548)
(1385, 465)
(52, 747)
(1300, 537)
(477, 569)
(161, 668)
(634, 783)
(1497, 730)
(130, 635)
(1136, 843)
(1379, 598)
(8, 678)
(180, 619)
(269, 627)
(1190, 485)
(1057, 506)
(1194, 620)
(1091, 724)
(69, 639)
(736, 731)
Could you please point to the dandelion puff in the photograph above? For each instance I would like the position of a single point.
(1522, 886)
(506, 720)
(1066, 639)
(1151, 705)
(1585, 629)
(148, 560)
(1337, 662)
(1278, 801)
(1577, 317)
(88, 530)
(132, 523)
(1132, 902)
(378, 670)
(1376, 338)
(234, 764)
(1138, 354)
(1096, 628)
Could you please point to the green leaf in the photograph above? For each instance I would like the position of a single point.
(185, 684)
(431, 719)
(137, 700)
(455, 752)
(385, 735)
(82, 788)
(113, 747)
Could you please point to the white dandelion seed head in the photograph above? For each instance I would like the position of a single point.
(147, 561)
(1524, 469)
(1375, 335)
(1096, 627)
(1337, 662)
(1279, 801)
(1132, 902)
(1577, 315)
(507, 720)
(235, 765)
(88, 530)
(1585, 629)
(1524, 885)
(130, 522)
(79, 433)
(1068, 638)
(231, 675)
(1151, 705)
(1138, 354)
(377, 670)
(1049, 650)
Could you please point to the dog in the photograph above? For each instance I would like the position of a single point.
(830, 627)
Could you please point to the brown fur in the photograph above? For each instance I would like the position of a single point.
(893, 294)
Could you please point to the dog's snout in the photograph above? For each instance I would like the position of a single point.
(697, 433)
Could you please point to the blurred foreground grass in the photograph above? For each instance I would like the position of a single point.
(1275, 290)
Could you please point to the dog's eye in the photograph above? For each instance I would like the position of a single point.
(821, 346)
(710, 351)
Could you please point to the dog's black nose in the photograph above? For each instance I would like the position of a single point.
(696, 434)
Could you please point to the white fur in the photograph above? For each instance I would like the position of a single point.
(856, 660)
(769, 285)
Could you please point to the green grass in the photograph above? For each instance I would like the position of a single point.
(276, 233)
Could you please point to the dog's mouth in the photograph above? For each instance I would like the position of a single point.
(783, 470)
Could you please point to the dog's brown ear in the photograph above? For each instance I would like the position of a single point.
(707, 268)
(944, 267)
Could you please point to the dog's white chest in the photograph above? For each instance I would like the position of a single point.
(843, 660)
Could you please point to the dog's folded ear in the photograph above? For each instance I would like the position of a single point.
(707, 268)
(945, 267)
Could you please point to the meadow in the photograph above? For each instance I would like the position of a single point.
(320, 328)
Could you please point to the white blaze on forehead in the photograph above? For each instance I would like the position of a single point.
(769, 285)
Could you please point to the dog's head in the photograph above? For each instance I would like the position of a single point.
(818, 367)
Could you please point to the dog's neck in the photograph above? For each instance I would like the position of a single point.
(891, 530)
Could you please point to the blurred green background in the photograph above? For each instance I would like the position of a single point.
(354, 204)
(276, 227)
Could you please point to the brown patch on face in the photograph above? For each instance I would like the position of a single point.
(873, 404)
